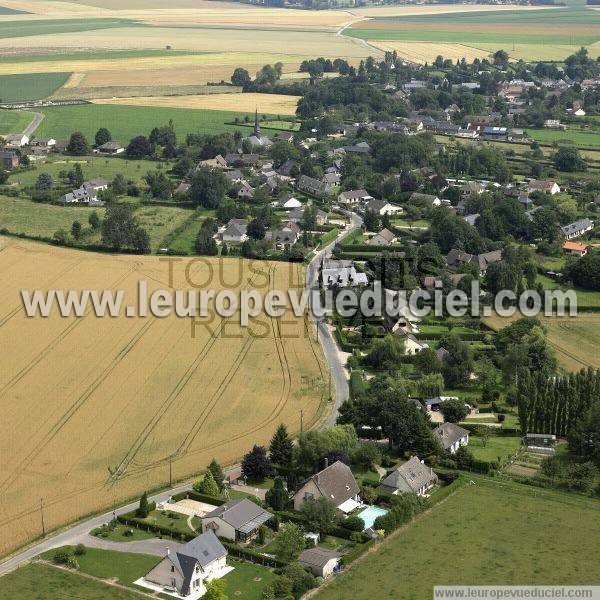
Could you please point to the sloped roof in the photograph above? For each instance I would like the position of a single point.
(336, 482)
(242, 515)
(317, 557)
(410, 476)
(450, 433)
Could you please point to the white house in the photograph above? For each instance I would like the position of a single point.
(288, 202)
(381, 207)
(341, 273)
(234, 231)
(547, 187)
(320, 561)
(354, 197)
(185, 571)
(452, 436)
(573, 230)
(16, 140)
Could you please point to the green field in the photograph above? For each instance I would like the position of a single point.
(125, 122)
(124, 567)
(247, 581)
(9, 29)
(497, 446)
(489, 533)
(577, 137)
(41, 582)
(95, 55)
(32, 86)
(14, 121)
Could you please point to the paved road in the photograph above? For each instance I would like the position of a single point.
(328, 344)
(75, 534)
(31, 128)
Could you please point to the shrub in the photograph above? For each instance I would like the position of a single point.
(61, 557)
(353, 523)
(80, 550)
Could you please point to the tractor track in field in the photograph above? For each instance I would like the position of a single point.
(75, 407)
(143, 436)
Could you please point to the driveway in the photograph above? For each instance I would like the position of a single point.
(32, 127)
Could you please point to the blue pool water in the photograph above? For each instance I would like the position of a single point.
(369, 514)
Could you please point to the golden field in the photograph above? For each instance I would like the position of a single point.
(422, 52)
(94, 409)
(276, 104)
(574, 339)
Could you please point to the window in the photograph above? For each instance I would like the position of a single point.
(172, 568)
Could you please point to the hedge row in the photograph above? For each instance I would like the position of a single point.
(357, 385)
(465, 337)
(199, 497)
(252, 556)
(357, 551)
(132, 521)
(478, 428)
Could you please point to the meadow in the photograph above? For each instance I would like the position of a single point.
(38, 581)
(126, 122)
(33, 86)
(35, 27)
(14, 121)
(489, 533)
(574, 339)
(578, 137)
(124, 398)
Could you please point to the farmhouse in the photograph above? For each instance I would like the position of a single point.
(320, 561)
(381, 207)
(111, 148)
(354, 197)
(341, 273)
(39, 142)
(218, 162)
(451, 436)
(575, 248)
(8, 160)
(411, 477)
(577, 229)
(236, 520)
(187, 569)
(242, 160)
(16, 140)
(384, 238)
(86, 194)
(547, 187)
(335, 482)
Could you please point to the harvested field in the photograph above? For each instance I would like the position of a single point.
(95, 409)
(278, 104)
(574, 339)
(422, 52)
(134, 91)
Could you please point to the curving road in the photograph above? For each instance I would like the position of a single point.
(79, 533)
(32, 127)
(329, 345)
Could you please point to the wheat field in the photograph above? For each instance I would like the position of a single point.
(276, 104)
(94, 409)
(422, 52)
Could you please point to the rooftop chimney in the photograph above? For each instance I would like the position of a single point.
(326, 462)
(168, 550)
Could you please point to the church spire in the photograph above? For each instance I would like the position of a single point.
(256, 125)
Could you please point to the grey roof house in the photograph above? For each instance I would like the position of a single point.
(186, 570)
(321, 561)
(410, 477)
(236, 520)
(451, 436)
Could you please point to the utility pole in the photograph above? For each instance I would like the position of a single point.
(170, 471)
(301, 421)
(330, 383)
(42, 515)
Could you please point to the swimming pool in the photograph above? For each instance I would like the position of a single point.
(369, 514)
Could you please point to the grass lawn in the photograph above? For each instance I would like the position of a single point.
(489, 533)
(497, 446)
(42, 582)
(117, 534)
(32, 86)
(93, 167)
(159, 221)
(247, 581)
(14, 121)
(126, 567)
(362, 476)
(126, 122)
(26, 28)
(19, 215)
(176, 521)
